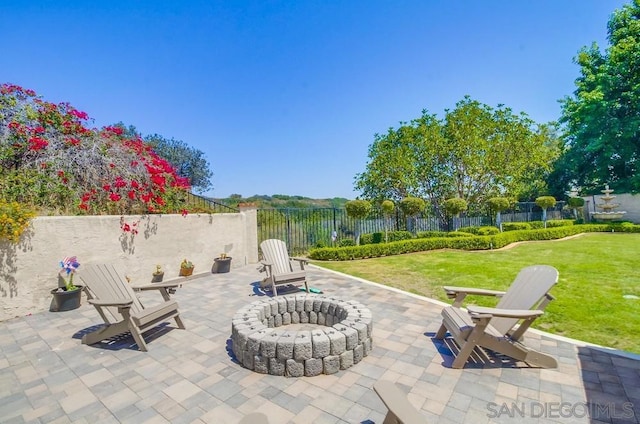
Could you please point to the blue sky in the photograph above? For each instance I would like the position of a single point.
(285, 97)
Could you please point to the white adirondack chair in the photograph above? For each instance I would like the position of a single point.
(280, 267)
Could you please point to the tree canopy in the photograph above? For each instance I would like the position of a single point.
(188, 161)
(474, 153)
(602, 117)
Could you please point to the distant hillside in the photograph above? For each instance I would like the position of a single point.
(283, 201)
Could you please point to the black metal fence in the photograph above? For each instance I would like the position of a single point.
(203, 203)
(305, 228)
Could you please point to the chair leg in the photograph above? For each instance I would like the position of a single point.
(104, 333)
(463, 355)
(390, 418)
(441, 332)
(179, 322)
(137, 336)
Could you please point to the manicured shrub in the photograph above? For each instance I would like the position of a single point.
(463, 243)
(431, 234)
(455, 205)
(346, 242)
(513, 226)
(374, 238)
(480, 231)
(559, 222)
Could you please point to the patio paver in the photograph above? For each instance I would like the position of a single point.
(190, 376)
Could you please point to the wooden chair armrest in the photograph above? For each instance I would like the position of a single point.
(400, 409)
(452, 291)
(479, 311)
(119, 303)
(305, 260)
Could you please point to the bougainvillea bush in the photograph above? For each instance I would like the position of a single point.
(54, 162)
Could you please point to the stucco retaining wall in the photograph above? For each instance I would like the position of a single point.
(28, 269)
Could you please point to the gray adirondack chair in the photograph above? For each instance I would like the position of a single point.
(120, 308)
(400, 410)
(500, 329)
(281, 269)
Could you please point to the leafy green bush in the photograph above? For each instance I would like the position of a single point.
(346, 242)
(480, 231)
(560, 222)
(513, 226)
(374, 238)
(431, 234)
(463, 243)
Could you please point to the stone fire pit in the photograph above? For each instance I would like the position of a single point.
(301, 335)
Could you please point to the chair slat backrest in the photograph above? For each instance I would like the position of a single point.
(527, 290)
(275, 252)
(107, 284)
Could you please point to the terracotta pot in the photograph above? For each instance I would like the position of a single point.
(185, 272)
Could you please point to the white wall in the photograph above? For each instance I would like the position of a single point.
(28, 270)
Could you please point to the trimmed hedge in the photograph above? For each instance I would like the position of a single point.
(378, 237)
(431, 234)
(514, 226)
(535, 225)
(463, 243)
(480, 231)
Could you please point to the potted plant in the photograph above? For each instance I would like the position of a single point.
(157, 275)
(67, 296)
(221, 264)
(186, 268)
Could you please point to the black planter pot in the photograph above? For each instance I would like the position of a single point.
(65, 300)
(157, 278)
(221, 265)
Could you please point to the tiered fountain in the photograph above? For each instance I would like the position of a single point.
(607, 213)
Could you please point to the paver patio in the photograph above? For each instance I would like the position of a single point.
(190, 376)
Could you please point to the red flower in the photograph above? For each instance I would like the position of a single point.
(184, 212)
(131, 194)
(126, 227)
(119, 183)
(115, 197)
(106, 187)
(37, 143)
(83, 206)
(60, 174)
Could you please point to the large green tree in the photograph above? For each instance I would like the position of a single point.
(188, 161)
(602, 117)
(474, 153)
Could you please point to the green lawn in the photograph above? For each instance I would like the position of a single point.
(596, 271)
